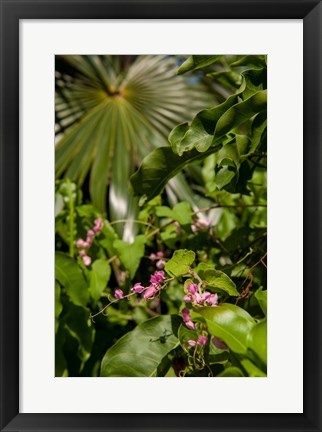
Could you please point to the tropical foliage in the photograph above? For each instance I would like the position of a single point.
(162, 272)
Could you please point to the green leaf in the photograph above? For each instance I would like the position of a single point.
(131, 254)
(261, 297)
(197, 62)
(176, 136)
(219, 279)
(180, 262)
(70, 276)
(224, 176)
(159, 167)
(76, 321)
(184, 335)
(230, 323)
(257, 341)
(140, 352)
(231, 371)
(183, 213)
(58, 305)
(99, 277)
(252, 370)
(240, 113)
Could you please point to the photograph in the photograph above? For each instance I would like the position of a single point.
(161, 215)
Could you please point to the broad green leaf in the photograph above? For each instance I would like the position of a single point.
(183, 213)
(252, 370)
(261, 297)
(180, 262)
(131, 254)
(219, 279)
(70, 276)
(231, 371)
(250, 60)
(259, 129)
(240, 113)
(58, 304)
(230, 323)
(164, 211)
(159, 167)
(224, 176)
(176, 136)
(197, 62)
(257, 341)
(100, 274)
(76, 320)
(140, 352)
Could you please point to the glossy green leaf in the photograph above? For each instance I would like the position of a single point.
(261, 297)
(231, 371)
(224, 176)
(219, 279)
(131, 254)
(70, 276)
(99, 276)
(159, 167)
(58, 304)
(252, 370)
(76, 320)
(176, 136)
(230, 323)
(140, 352)
(257, 341)
(197, 62)
(180, 262)
(240, 113)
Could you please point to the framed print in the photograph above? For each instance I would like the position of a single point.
(160, 215)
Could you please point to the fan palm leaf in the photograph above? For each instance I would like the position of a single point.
(111, 111)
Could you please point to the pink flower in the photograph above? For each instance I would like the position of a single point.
(86, 260)
(192, 342)
(192, 288)
(212, 300)
(158, 277)
(80, 243)
(160, 264)
(219, 343)
(89, 240)
(197, 298)
(205, 295)
(90, 233)
(137, 288)
(152, 256)
(160, 254)
(150, 292)
(187, 299)
(118, 294)
(187, 319)
(82, 253)
(202, 340)
(190, 325)
(98, 222)
(186, 314)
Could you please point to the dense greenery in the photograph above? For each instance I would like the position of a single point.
(161, 249)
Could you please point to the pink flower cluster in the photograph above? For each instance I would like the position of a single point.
(202, 340)
(205, 299)
(187, 319)
(159, 258)
(84, 245)
(153, 288)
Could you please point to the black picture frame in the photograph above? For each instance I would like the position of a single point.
(14, 10)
